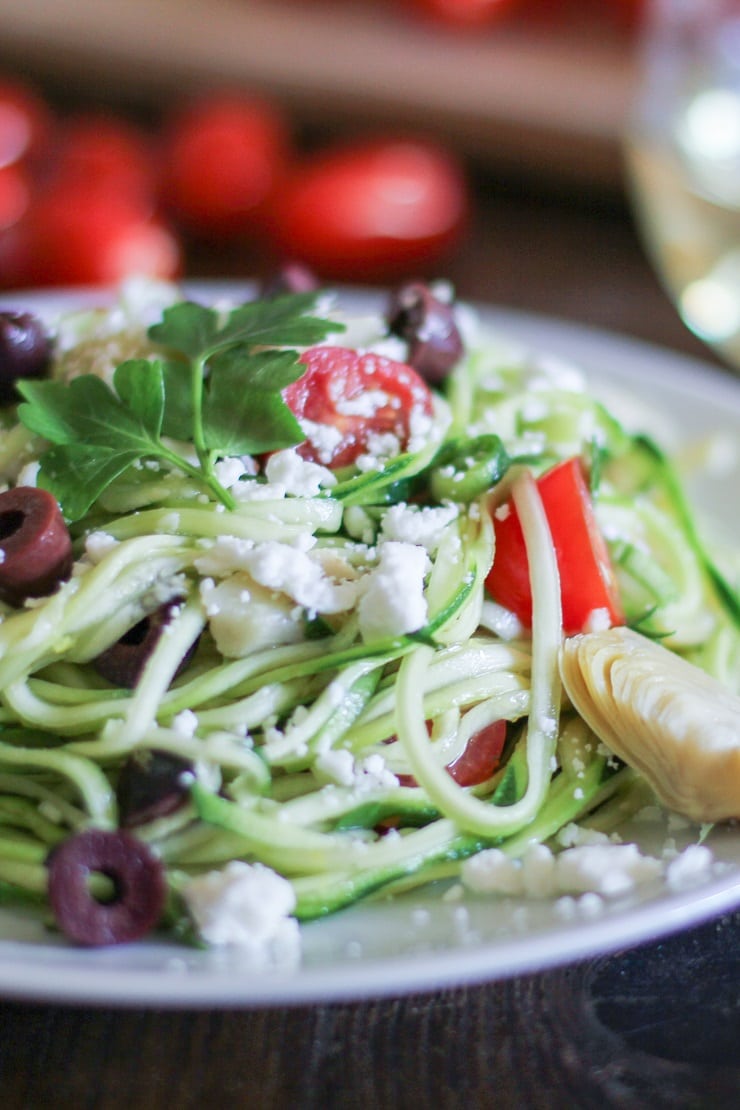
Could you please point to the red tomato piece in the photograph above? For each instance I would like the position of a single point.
(73, 237)
(99, 150)
(481, 757)
(354, 397)
(222, 158)
(587, 580)
(371, 211)
(24, 122)
(14, 195)
(465, 13)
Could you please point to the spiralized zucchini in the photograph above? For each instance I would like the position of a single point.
(319, 746)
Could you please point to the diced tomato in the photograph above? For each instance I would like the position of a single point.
(479, 760)
(481, 756)
(373, 210)
(353, 398)
(587, 580)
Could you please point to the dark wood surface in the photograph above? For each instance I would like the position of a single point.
(655, 1027)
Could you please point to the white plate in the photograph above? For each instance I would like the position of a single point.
(425, 942)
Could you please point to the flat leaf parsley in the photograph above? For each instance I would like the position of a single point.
(216, 385)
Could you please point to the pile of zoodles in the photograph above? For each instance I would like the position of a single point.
(313, 610)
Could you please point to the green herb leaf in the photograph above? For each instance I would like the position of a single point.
(77, 474)
(179, 411)
(140, 385)
(221, 390)
(187, 327)
(277, 322)
(248, 424)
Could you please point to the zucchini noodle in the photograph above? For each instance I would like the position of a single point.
(333, 658)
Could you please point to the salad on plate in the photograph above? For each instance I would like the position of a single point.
(301, 607)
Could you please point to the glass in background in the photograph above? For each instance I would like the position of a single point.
(683, 162)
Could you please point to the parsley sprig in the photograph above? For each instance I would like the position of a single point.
(217, 386)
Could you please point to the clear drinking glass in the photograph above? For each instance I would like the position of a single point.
(683, 161)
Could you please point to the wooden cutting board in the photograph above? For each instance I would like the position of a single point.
(520, 98)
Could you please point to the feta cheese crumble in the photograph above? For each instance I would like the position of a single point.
(246, 905)
(392, 600)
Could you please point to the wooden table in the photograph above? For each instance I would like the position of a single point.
(656, 1027)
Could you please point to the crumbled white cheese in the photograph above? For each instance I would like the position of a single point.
(185, 724)
(28, 474)
(296, 475)
(250, 906)
(392, 600)
(324, 438)
(689, 867)
(341, 768)
(416, 524)
(607, 869)
(282, 567)
(230, 471)
(243, 617)
(98, 545)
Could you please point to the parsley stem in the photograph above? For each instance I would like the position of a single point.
(200, 474)
(199, 440)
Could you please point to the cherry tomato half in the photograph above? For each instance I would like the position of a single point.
(481, 756)
(587, 580)
(465, 13)
(222, 158)
(353, 398)
(371, 211)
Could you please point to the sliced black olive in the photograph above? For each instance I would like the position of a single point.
(428, 325)
(25, 351)
(151, 784)
(137, 879)
(122, 663)
(35, 545)
(292, 277)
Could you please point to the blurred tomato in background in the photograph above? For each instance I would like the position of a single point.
(222, 158)
(88, 195)
(371, 210)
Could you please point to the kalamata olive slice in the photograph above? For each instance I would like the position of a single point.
(139, 888)
(25, 351)
(123, 662)
(428, 325)
(292, 277)
(35, 545)
(151, 784)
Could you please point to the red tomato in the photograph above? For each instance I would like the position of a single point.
(71, 237)
(222, 159)
(371, 211)
(24, 122)
(587, 580)
(627, 14)
(465, 13)
(98, 150)
(477, 762)
(14, 195)
(481, 756)
(356, 397)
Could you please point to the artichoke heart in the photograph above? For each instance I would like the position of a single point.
(666, 718)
